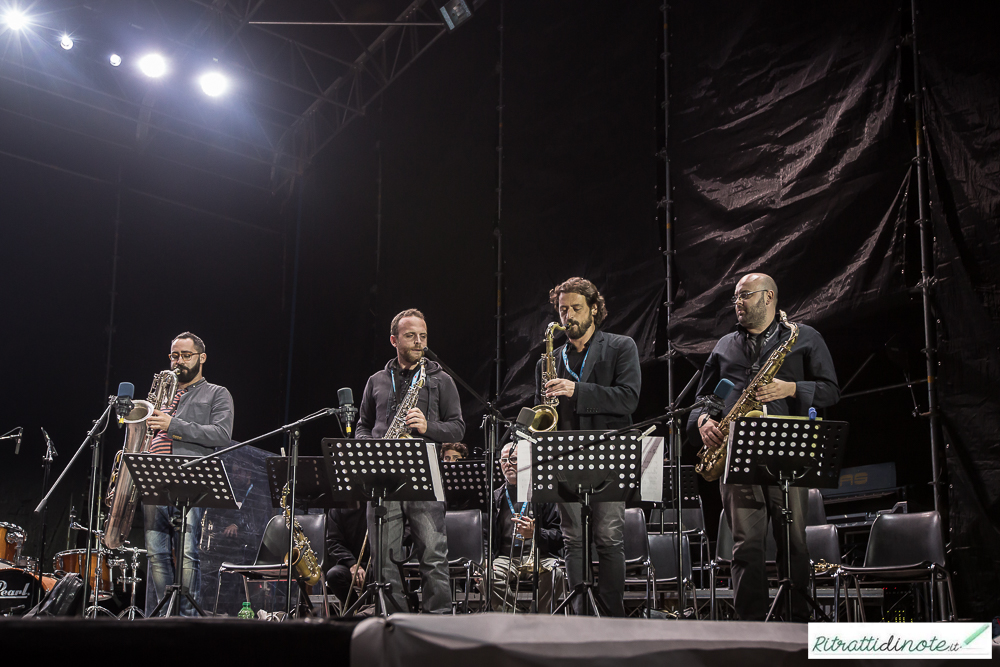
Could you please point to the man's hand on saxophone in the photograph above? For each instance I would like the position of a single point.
(560, 387)
(775, 390)
(710, 433)
(159, 421)
(416, 421)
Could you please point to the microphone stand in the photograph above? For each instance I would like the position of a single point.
(93, 438)
(50, 453)
(491, 427)
(293, 461)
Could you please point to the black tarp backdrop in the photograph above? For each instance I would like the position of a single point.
(961, 69)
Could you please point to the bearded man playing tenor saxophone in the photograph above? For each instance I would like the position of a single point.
(597, 383)
(806, 379)
(438, 417)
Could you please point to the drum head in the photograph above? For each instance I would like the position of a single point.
(16, 590)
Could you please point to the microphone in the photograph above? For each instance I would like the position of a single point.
(347, 412)
(124, 404)
(48, 443)
(17, 445)
(715, 404)
(520, 426)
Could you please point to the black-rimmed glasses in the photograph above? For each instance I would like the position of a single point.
(174, 356)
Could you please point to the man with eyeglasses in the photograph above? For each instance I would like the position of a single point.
(198, 419)
(806, 379)
(436, 417)
(513, 529)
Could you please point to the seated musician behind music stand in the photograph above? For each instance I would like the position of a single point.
(454, 451)
(346, 530)
(513, 525)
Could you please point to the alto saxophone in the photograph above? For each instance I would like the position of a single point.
(122, 496)
(547, 414)
(398, 428)
(303, 557)
(713, 460)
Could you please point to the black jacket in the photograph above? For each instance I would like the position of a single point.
(438, 400)
(608, 391)
(550, 537)
(808, 364)
(345, 533)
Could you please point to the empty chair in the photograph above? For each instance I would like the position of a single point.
(637, 552)
(904, 548)
(663, 555)
(269, 565)
(692, 525)
(816, 512)
(465, 547)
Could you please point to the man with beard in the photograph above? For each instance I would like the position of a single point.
(438, 417)
(198, 420)
(806, 379)
(598, 381)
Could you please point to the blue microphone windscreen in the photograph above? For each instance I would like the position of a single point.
(126, 389)
(724, 388)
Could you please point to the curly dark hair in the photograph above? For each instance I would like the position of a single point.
(585, 288)
(455, 446)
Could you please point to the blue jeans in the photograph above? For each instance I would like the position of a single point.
(161, 544)
(608, 527)
(430, 546)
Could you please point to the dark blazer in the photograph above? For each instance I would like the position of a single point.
(608, 391)
(550, 537)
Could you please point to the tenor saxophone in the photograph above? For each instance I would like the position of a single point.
(713, 460)
(398, 427)
(547, 414)
(122, 496)
(303, 557)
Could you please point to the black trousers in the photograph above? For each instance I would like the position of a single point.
(748, 511)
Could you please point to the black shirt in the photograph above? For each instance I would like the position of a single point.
(567, 406)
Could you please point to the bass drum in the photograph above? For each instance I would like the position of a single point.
(74, 560)
(11, 541)
(17, 589)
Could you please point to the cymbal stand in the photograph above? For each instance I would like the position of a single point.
(132, 581)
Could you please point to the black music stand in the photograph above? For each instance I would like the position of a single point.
(788, 451)
(378, 470)
(466, 485)
(314, 488)
(577, 467)
(161, 481)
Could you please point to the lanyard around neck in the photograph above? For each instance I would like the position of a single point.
(566, 363)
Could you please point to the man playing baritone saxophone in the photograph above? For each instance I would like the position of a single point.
(597, 384)
(438, 417)
(806, 379)
(198, 420)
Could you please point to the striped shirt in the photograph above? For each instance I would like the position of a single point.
(162, 444)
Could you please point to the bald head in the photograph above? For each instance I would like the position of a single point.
(756, 309)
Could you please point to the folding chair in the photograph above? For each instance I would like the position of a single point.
(663, 554)
(465, 548)
(824, 545)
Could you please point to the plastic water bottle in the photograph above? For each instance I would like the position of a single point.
(246, 612)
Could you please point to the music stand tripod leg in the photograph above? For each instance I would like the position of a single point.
(376, 590)
(586, 587)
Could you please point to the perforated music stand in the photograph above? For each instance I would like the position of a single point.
(312, 484)
(378, 470)
(787, 451)
(690, 498)
(577, 467)
(466, 485)
(161, 481)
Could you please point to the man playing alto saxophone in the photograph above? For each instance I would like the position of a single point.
(198, 419)
(805, 379)
(437, 416)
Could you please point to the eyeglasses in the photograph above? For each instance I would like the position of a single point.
(743, 296)
(174, 356)
(510, 461)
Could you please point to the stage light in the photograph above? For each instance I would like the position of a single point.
(213, 84)
(115, 60)
(15, 19)
(153, 65)
(66, 42)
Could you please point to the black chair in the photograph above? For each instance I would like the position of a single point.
(824, 551)
(465, 547)
(268, 566)
(663, 554)
(816, 512)
(692, 525)
(903, 548)
(637, 559)
(721, 565)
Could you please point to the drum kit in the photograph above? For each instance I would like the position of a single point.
(20, 575)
